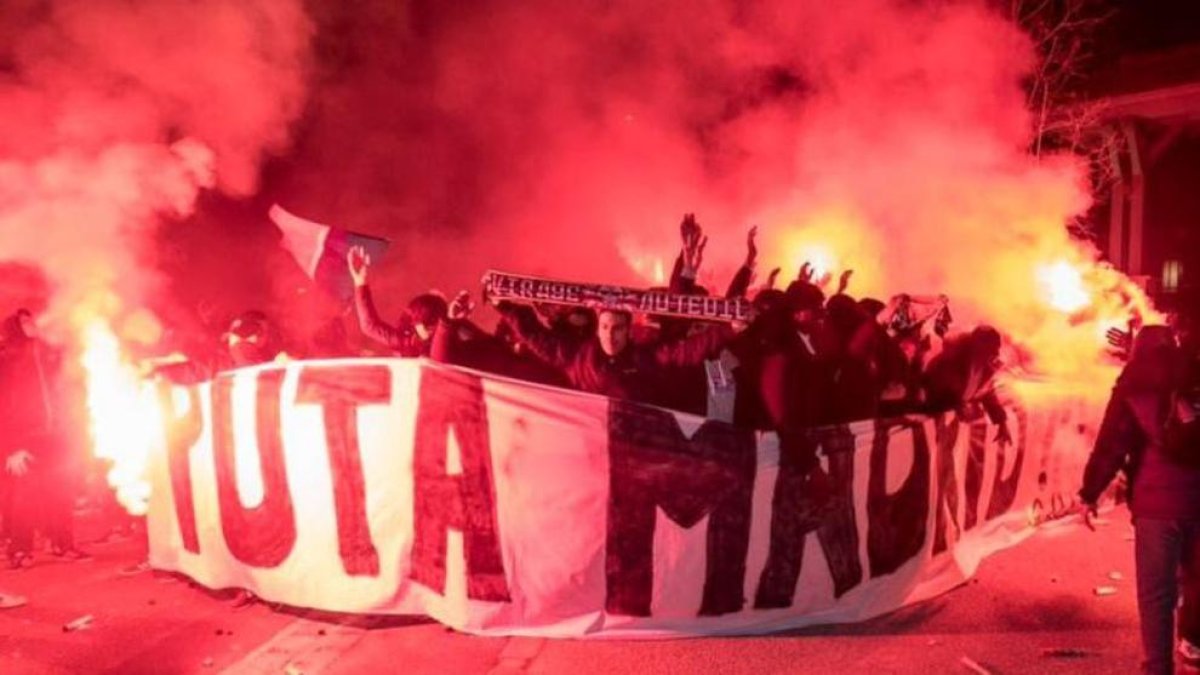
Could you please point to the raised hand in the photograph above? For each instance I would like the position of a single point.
(1086, 512)
(806, 273)
(772, 276)
(693, 255)
(844, 281)
(751, 247)
(359, 263)
(461, 307)
(689, 230)
(1120, 340)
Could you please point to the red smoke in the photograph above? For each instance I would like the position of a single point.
(554, 138)
(567, 139)
(117, 114)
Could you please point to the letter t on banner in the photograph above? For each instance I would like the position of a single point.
(340, 391)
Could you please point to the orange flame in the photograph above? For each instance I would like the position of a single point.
(125, 421)
(1064, 287)
(649, 268)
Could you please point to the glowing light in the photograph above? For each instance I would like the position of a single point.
(1064, 287)
(125, 421)
(819, 257)
(648, 265)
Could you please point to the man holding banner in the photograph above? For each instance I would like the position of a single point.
(611, 364)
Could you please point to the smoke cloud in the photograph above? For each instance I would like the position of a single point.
(561, 139)
(567, 139)
(117, 115)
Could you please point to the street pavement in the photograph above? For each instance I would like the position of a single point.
(1030, 609)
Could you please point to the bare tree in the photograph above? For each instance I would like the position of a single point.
(1064, 34)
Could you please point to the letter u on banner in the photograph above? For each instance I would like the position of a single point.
(262, 535)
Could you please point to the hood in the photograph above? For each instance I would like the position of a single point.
(1154, 362)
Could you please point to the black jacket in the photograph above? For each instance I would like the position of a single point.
(1131, 436)
(29, 394)
(400, 339)
(639, 373)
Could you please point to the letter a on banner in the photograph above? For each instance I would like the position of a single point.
(452, 402)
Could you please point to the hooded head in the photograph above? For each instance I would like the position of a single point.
(772, 322)
(19, 327)
(250, 339)
(806, 301)
(845, 314)
(985, 343)
(1154, 362)
(871, 306)
(425, 311)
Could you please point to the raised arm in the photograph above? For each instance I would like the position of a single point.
(542, 342)
(691, 254)
(740, 284)
(694, 349)
(369, 321)
(453, 330)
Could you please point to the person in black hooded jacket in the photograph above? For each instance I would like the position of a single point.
(39, 476)
(1164, 486)
(412, 335)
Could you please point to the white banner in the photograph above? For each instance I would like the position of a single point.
(500, 507)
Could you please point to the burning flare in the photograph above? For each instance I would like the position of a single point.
(1064, 287)
(125, 420)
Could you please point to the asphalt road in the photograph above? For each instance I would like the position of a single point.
(1025, 603)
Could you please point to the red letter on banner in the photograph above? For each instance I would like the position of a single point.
(262, 535)
(453, 401)
(340, 390)
(183, 430)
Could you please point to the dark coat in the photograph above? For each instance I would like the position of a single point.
(947, 376)
(460, 342)
(855, 377)
(1131, 435)
(401, 339)
(781, 384)
(639, 373)
(29, 393)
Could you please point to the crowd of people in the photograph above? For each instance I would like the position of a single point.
(804, 360)
(812, 355)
